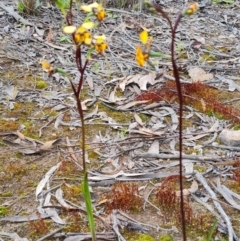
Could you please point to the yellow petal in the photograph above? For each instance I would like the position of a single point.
(69, 29)
(87, 41)
(89, 8)
(99, 8)
(103, 37)
(88, 25)
(81, 30)
(100, 38)
(144, 36)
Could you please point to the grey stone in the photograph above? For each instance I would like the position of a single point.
(230, 137)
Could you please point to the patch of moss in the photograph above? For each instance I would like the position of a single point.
(15, 170)
(236, 127)
(23, 110)
(144, 117)
(33, 167)
(41, 84)
(29, 130)
(92, 155)
(23, 213)
(31, 184)
(72, 192)
(18, 155)
(119, 93)
(199, 168)
(68, 169)
(91, 130)
(3, 211)
(118, 116)
(8, 125)
(49, 112)
(207, 57)
(6, 194)
(187, 123)
(39, 228)
(143, 237)
(219, 116)
(75, 222)
(233, 185)
(189, 150)
(165, 238)
(224, 49)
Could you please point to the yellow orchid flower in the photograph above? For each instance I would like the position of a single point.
(96, 8)
(191, 9)
(100, 13)
(141, 57)
(100, 44)
(46, 66)
(81, 34)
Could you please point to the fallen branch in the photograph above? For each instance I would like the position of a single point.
(201, 179)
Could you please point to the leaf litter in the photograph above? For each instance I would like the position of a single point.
(142, 148)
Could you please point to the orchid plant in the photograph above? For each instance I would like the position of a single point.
(82, 37)
(142, 55)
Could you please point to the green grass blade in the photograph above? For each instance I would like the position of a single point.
(210, 234)
(88, 203)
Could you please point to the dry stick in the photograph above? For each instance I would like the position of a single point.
(115, 226)
(173, 156)
(50, 234)
(201, 179)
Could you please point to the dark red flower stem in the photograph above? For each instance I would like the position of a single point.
(180, 98)
(77, 91)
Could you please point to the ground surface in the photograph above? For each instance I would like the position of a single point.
(40, 128)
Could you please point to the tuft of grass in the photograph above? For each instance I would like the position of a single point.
(28, 6)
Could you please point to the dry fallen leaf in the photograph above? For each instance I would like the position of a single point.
(131, 104)
(198, 74)
(89, 80)
(154, 148)
(48, 145)
(138, 119)
(140, 80)
(203, 104)
(20, 135)
(83, 103)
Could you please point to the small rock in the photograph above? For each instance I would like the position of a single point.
(230, 137)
